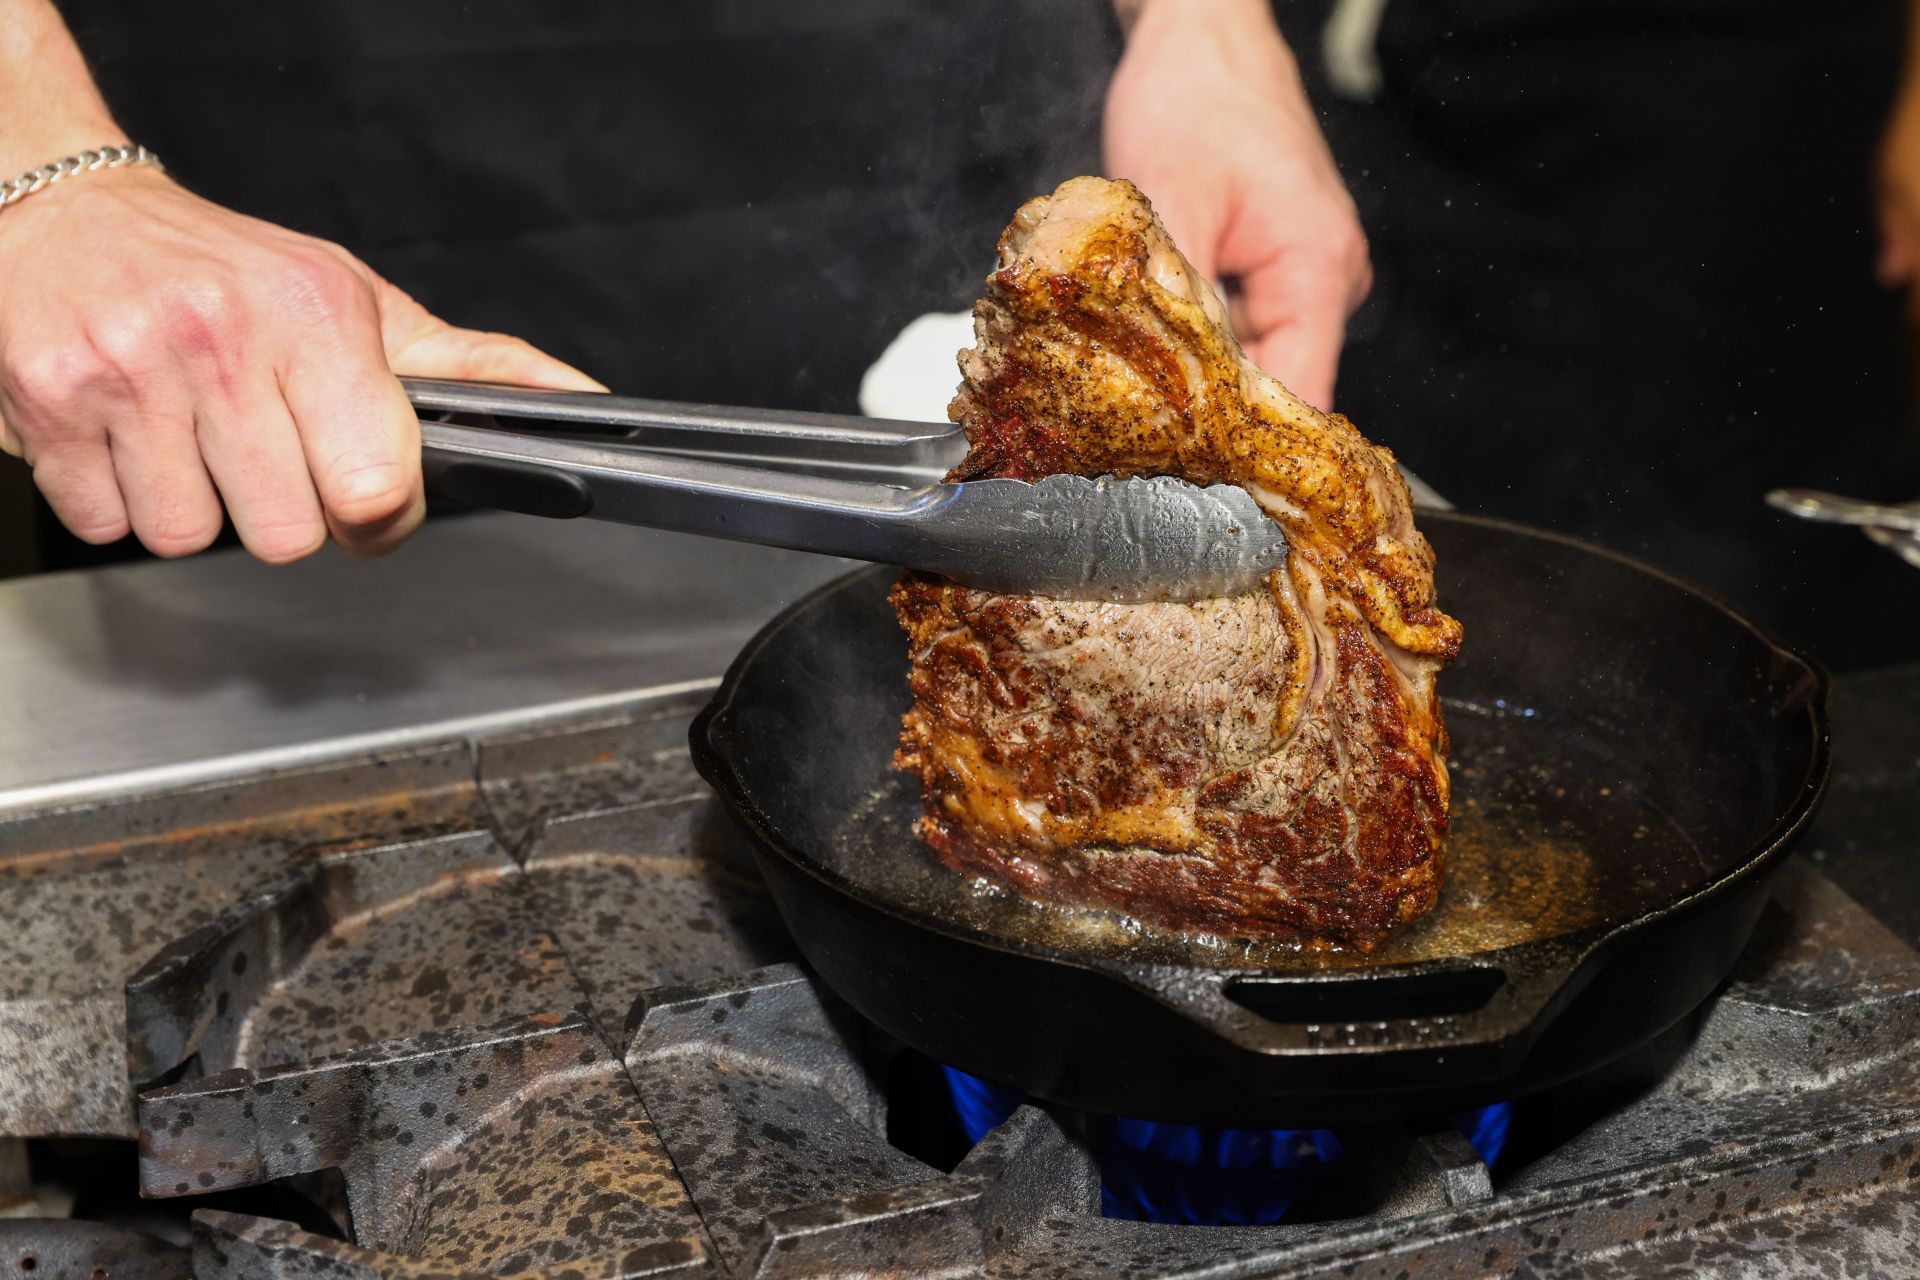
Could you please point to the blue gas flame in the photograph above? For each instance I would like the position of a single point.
(1154, 1172)
(1178, 1173)
(1486, 1129)
(980, 1105)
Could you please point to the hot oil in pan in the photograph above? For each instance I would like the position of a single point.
(1548, 835)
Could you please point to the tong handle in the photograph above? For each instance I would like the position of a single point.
(525, 408)
(568, 479)
(1070, 536)
(1832, 508)
(502, 483)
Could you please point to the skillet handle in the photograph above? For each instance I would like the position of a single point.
(1479, 1016)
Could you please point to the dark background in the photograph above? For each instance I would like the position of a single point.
(1623, 250)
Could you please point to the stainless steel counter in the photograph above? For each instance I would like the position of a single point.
(162, 674)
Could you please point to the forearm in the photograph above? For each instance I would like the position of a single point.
(1207, 115)
(1233, 36)
(1250, 17)
(49, 107)
(1909, 92)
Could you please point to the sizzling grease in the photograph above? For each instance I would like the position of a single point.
(1548, 836)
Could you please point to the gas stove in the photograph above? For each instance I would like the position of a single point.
(510, 1001)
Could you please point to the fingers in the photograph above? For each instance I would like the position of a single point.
(357, 434)
(56, 400)
(184, 355)
(253, 452)
(1895, 265)
(1898, 263)
(77, 481)
(1301, 272)
(170, 500)
(362, 445)
(1293, 316)
(146, 419)
(1305, 357)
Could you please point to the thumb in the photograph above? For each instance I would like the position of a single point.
(422, 345)
(447, 352)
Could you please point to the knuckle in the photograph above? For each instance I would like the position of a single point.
(319, 285)
(170, 540)
(181, 528)
(81, 493)
(1362, 282)
(95, 526)
(1361, 261)
(101, 534)
(49, 380)
(286, 542)
(126, 341)
(283, 525)
(368, 493)
(191, 321)
(1350, 246)
(198, 312)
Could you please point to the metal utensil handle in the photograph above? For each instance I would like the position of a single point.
(1903, 543)
(1833, 508)
(519, 405)
(1064, 536)
(568, 479)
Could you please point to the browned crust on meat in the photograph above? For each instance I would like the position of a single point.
(1297, 787)
(1137, 819)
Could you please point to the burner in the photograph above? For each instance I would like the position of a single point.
(1210, 1177)
(1153, 1171)
(519, 1006)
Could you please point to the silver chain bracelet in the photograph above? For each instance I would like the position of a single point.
(26, 184)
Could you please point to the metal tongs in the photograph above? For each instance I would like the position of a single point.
(868, 488)
(1895, 527)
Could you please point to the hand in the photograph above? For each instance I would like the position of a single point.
(160, 354)
(1897, 188)
(1207, 116)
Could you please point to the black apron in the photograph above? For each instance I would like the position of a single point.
(727, 200)
(1624, 257)
(1623, 250)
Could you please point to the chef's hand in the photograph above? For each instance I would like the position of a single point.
(1897, 187)
(161, 355)
(1207, 116)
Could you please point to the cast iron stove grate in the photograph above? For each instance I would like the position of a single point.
(518, 1006)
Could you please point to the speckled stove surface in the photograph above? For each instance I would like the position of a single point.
(518, 1006)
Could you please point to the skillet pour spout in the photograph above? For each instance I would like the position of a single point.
(1632, 759)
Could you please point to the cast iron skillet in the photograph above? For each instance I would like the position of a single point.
(1631, 761)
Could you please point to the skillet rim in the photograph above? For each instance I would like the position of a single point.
(1577, 950)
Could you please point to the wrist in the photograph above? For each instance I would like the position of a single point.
(43, 199)
(1232, 14)
(42, 143)
(1238, 38)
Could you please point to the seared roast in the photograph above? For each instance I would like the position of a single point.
(1269, 765)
